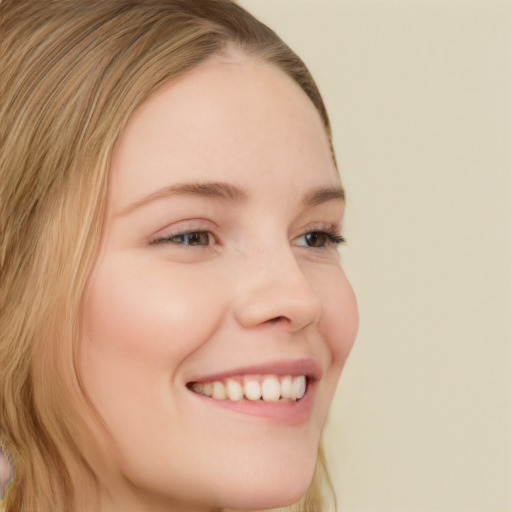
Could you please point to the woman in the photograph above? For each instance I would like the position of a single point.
(174, 314)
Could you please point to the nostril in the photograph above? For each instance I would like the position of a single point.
(277, 319)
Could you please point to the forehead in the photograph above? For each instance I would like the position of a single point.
(233, 119)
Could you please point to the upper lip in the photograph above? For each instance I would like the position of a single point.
(304, 366)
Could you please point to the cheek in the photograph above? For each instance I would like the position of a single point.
(144, 317)
(340, 320)
(337, 328)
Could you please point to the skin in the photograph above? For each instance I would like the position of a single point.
(160, 314)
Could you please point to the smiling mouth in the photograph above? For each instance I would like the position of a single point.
(254, 388)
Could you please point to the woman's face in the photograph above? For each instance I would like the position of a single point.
(219, 275)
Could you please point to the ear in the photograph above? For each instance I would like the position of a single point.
(6, 471)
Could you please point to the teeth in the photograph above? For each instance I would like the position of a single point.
(299, 385)
(234, 390)
(269, 388)
(219, 390)
(208, 389)
(287, 388)
(252, 389)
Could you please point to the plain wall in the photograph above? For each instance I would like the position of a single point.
(420, 98)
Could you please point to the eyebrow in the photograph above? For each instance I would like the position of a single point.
(213, 190)
(229, 192)
(324, 194)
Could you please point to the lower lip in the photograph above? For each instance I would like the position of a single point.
(289, 413)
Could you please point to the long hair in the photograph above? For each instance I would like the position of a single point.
(72, 73)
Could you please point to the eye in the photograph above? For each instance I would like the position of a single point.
(320, 239)
(188, 238)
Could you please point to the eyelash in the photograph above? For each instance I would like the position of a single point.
(332, 234)
(170, 239)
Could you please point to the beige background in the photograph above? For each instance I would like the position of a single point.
(420, 97)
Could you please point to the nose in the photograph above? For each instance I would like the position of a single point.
(274, 290)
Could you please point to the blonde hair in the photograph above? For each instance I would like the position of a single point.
(72, 74)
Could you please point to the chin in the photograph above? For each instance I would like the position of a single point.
(274, 486)
(270, 495)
